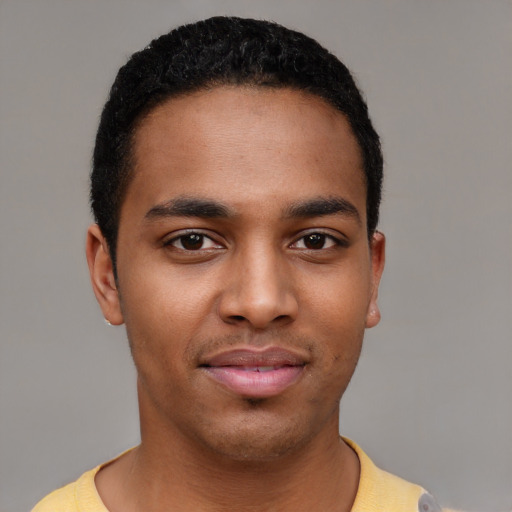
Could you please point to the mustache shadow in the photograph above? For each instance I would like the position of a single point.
(198, 349)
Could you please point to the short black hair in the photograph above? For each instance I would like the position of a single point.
(215, 52)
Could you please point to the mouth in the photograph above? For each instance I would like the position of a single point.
(255, 374)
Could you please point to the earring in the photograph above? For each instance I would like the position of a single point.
(107, 322)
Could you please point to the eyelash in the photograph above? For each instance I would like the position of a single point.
(189, 234)
(202, 237)
(336, 242)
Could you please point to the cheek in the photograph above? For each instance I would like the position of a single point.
(337, 313)
(162, 315)
(162, 301)
(338, 302)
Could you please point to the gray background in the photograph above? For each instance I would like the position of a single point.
(432, 396)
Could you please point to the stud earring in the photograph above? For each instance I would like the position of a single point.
(107, 322)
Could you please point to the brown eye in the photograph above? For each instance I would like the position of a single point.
(314, 241)
(317, 241)
(192, 242)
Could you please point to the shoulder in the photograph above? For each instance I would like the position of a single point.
(78, 496)
(380, 490)
(59, 500)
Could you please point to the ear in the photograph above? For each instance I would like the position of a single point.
(378, 256)
(102, 275)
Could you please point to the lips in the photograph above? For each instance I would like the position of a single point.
(255, 374)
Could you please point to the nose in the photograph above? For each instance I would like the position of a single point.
(258, 291)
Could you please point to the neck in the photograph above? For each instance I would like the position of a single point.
(171, 472)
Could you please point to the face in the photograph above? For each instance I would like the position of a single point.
(245, 275)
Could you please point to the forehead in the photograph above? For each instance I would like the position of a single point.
(245, 143)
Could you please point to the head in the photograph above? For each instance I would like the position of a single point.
(236, 186)
(211, 53)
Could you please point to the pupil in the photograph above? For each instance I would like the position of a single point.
(315, 241)
(192, 242)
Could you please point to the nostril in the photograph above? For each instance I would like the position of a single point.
(238, 318)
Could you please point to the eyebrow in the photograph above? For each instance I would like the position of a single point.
(189, 207)
(321, 206)
(210, 209)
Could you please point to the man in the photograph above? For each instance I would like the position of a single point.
(236, 186)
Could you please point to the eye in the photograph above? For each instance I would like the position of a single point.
(193, 242)
(316, 241)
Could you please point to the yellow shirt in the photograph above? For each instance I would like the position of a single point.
(378, 491)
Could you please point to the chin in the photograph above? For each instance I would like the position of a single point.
(257, 439)
(250, 448)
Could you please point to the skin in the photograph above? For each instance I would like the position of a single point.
(271, 271)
